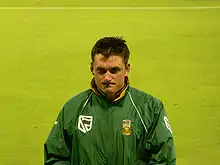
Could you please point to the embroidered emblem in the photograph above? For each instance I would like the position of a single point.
(85, 123)
(126, 127)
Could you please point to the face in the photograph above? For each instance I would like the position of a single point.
(109, 73)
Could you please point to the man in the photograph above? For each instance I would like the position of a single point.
(112, 123)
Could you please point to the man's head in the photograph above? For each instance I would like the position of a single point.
(109, 64)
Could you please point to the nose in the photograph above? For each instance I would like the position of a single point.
(108, 77)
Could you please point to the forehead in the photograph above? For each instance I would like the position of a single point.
(111, 61)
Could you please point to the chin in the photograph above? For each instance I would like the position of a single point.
(108, 90)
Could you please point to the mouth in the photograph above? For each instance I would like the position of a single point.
(108, 84)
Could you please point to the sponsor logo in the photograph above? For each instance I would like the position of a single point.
(85, 123)
(126, 127)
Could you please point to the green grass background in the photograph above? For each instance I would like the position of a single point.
(45, 56)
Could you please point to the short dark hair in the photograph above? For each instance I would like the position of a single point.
(108, 46)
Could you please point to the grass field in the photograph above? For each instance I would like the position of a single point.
(45, 56)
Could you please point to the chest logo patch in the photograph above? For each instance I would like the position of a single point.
(126, 127)
(85, 123)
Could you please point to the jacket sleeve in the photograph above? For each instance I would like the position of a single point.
(159, 142)
(57, 147)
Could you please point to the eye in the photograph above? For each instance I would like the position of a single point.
(101, 70)
(115, 70)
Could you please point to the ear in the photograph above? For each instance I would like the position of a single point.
(127, 67)
(91, 67)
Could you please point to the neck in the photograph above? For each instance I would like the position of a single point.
(110, 96)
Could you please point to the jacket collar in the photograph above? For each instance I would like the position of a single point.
(119, 95)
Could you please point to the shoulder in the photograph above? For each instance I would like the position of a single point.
(79, 98)
(71, 109)
(74, 104)
(142, 97)
(148, 104)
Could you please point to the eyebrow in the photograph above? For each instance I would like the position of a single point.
(103, 68)
(100, 68)
(116, 68)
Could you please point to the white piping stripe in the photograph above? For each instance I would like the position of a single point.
(105, 8)
(138, 112)
(87, 101)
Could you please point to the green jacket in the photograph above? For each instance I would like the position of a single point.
(89, 130)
